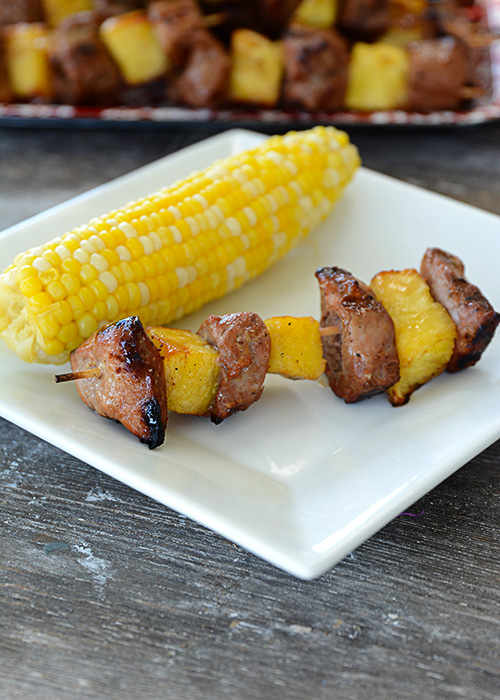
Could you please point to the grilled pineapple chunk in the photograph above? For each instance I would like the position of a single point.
(425, 333)
(296, 351)
(131, 40)
(57, 10)
(378, 77)
(256, 68)
(26, 56)
(319, 14)
(191, 369)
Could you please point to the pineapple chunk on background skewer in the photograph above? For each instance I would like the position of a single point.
(320, 14)
(256, 68)
(132, 42)
(26, 57)
(378, 77)
(57, 10)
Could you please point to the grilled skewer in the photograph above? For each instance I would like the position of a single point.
(367, 349)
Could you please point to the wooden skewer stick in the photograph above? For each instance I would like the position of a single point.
(97, 372)
(215, 19)
(471, 92)
(82, 374)
(329, 330)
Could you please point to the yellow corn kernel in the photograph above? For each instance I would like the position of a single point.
(86, 325)
(67, 334)
(30, 286)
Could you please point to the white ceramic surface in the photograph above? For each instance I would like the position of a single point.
(300, 479)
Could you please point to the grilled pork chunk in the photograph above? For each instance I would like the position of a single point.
(439, 69)
(361, 359)
(174, 22)
(83, 71)
(316, 63)
(13, 11)
(244, 346)
(363, 20)
(475, 318)
(131, 385)
(204, 80)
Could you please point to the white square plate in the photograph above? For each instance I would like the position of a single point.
(301, 478)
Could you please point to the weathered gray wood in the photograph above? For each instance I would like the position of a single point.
(107, 594)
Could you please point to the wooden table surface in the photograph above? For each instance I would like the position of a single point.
(139, 602)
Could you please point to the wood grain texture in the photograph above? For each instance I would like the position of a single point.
(107, 594)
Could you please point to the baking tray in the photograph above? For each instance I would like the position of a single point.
(485, 110)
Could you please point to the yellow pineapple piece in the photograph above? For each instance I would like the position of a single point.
(296, 350)
(191, 369)
(425, 333)
(26, 56)
(256, 68)
(378, 77)
(401, 36)
(132, 42)
(320, 14)
(57, 10)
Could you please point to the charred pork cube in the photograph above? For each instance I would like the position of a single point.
(6, 94)
(438, 72)
(361, 356)
(473, 315)
(273, 15)
(129, 385)
(109, 8)
(363, 20)
(204, 80)
(316, 63)
(244, 346)
(83, 70)
(174, 22)
(12, 11)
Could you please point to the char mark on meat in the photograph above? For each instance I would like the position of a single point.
(361, 359)
(244, 346)
(131, 387)
(475, 318)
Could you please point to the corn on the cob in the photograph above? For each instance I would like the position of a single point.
(168, 254)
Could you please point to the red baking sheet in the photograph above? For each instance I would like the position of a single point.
(485, 110)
